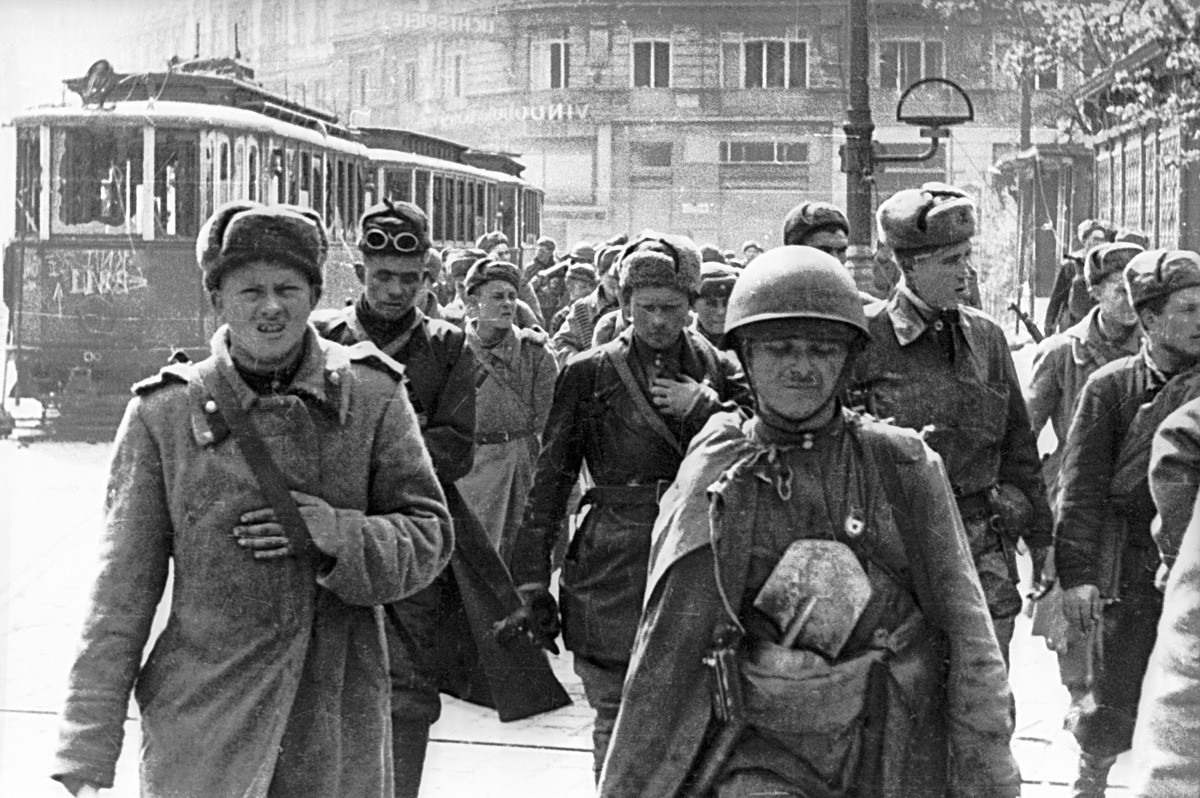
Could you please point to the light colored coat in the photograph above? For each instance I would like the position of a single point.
(271, 677)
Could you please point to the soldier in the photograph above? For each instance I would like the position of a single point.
(497, 246)
(819, 225)
(1103, 547)
(514, 386)
(716, 281)
(284, 482)
(1061, 365)
(575, 334)
(751, 249)
(1069, 298)
(943, 368)
(880, 674)
(627, 410)
(579, 280)
(441, 372)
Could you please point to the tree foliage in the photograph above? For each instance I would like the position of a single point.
(1146, 52)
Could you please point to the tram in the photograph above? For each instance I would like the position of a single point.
(101, 277)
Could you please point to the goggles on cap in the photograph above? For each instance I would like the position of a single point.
(377, 240)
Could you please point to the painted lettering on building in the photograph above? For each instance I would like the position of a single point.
(96, 272)
(447, 23)
(536, 114)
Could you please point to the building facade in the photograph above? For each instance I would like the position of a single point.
(711, 119)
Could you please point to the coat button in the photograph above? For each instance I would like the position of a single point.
(335, 377)
(210, 406)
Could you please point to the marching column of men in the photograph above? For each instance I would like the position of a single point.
(801, 505)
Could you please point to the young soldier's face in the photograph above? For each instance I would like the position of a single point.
(1177, 329)
(796, 376)
(392, 283)
(659, 315)
(831, 242)
(578, 289)
(941, 278)
(710, 310)
(1113, 299)
(494, 303)
(266, 306)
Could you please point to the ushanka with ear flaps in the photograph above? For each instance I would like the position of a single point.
(242, 232)
(660, 260)
(933, 216)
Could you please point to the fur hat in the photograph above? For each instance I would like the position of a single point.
(933, 216)
(1089, 226)
(1107, 259)
(717, 279)
(460, 261)
(660, 260)
(548, 242)
(710, 254)
(485, 270)
(489, 241)
(748, 243)
(606, 259)
(1160, 272)
(582, 271)
(582, 252)
(394, 228)
(242, 231)
(809, 217)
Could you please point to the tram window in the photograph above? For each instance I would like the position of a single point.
(318, 182)
(305, 179)
(29, 185)
(278, 180)
(97, 173)
(293, 177)
(422, 190)
(176, 182)
(460, 210)
(480, 213)
(252, 173)
(343, 193)
(469, 211)
(399, 185)
(223, 173)
(438, 215)
(325, 203)
(239, 169)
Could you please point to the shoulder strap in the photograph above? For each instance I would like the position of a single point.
(648, 413)
(266, 471)
(488, 369)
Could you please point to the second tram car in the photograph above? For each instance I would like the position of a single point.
(101, 278)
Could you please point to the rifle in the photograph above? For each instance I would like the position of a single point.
(1030, 325)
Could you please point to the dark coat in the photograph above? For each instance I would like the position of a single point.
(1175, 477)
(271, 676)
(726, 494)
(595, 420)
(1166, 743)
(441, 371)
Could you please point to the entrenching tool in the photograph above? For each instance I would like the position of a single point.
(815, 595)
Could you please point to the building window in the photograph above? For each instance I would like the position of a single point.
(774, 64)
(364, 85)
(763, 152)
(651, 154)
(1046, 80)
(560, 65)
(902, 63)
(410, 81)
(456, 77)
(652, 64)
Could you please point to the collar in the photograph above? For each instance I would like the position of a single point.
(911, 316)
(506, 349)
(317, 373)
(1158, 377)
(1086, 338)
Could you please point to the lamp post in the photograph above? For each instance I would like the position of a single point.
(859, 156)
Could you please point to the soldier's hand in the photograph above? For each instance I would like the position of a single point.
(319, 516)
(542, 624)
(676, 398)
(1082, 607)
(1041, 557)
(262, 535)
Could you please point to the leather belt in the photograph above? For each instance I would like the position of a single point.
(625, 495)
(485, 438)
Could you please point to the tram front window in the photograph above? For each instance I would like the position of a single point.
(96, 179)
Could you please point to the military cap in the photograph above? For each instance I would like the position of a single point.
(241, 231)
(716, 279)
(750, 242)
(460, 261)
(394, 228)
(1127, 235)
(710, 254)
(606, 258)
(489, 241)
(922, 219)
(809, 217)
(548, 242)
(1160, 272)
(485, 270)
(582, 271)
(1089, 226)
(1107, 259)
(660, 260)
(582, 252)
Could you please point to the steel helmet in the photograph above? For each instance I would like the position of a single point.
(795, 282)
